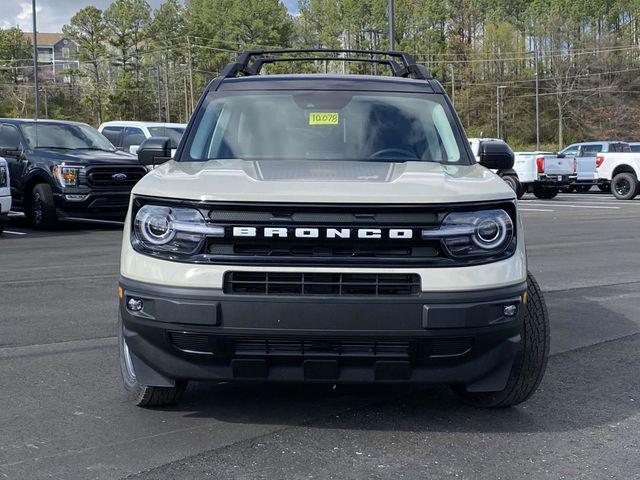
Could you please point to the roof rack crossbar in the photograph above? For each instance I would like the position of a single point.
(244, 65)
(396, 69)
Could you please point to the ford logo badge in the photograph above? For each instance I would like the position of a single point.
(119, 177)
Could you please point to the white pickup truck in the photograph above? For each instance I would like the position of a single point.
(5, 193)
(540, 173)
(621, 171)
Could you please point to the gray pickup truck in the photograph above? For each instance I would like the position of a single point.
(585, 153)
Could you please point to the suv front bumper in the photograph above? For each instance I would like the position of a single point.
(93, 205)
(437, 338)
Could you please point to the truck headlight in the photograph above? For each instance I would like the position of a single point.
(67, 176)
(481, 233)
(171, 230)
(3, 176)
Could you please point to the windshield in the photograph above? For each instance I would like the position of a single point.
(174, 134)
(317, 125)
(65, 136)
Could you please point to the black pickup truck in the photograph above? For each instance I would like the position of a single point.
(66, 171)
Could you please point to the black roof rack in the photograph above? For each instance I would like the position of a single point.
(250, 63)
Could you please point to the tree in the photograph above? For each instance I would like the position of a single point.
(128, 21)
(88, 29)
(16, 53)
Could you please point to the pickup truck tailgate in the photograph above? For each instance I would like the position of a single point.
(554, 165)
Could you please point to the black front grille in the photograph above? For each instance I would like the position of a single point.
(341, 348)
(277, 283)
(417, 350)
(114, 176)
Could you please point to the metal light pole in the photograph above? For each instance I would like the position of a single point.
(392, 45)
(35, 61)
(535, 56)
(498, 88)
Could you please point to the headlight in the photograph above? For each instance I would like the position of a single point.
(67, 176)
(3, 176)
(172, 230)
(467, 234)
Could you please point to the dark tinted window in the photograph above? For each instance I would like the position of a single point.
(9, 136)
(590, 150)
(635, 148)
(132, 136)
(174, 134)
(619, 147)
(113, 134)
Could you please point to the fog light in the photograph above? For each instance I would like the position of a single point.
(510, 310)
(134, 304)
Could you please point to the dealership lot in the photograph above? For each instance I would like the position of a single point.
(64, 414)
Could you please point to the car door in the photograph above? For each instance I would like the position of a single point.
(10, 139)
(114, 135)
(133, 137)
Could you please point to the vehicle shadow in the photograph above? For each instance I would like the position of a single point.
(66, 228)
(591, 386)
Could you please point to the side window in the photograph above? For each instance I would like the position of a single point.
(571, 151)
(132, 136)
(590, 150)
(9, 136)
(619, 147)
(113, 134)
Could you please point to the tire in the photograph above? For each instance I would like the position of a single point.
(144, 395)
(42, 210)
(545, 193)
(530, 363)
(604, 187)
(515, 184)
(583, 188)
(624, 186)
(3, 224)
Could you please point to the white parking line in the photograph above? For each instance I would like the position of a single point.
(557, 204)
(535, 210)
(11, 232)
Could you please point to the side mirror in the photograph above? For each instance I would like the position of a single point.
(154, 151)
(496, 155)
(560, 155)
(11, 152)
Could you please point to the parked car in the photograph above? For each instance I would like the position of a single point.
(5, 194)
(66, 170)
(585, 154)
(620, 173)
(327, 228)
(540, 173)
(128, 136)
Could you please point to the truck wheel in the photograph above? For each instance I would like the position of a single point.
(545, 193)
(42, 210)
(144, 395)
(2, 225)
(624, 186)
(604, 187)
(515, 185)
(530, 363)
(583, 188)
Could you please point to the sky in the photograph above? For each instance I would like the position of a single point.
(53, 14)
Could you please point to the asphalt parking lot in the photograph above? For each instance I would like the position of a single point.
(64, 415)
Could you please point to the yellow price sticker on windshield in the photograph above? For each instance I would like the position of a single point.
(324, 118)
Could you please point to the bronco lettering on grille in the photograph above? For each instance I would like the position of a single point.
(329, 233)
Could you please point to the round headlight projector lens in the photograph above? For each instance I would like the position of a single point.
(490, 232)
(155, 225)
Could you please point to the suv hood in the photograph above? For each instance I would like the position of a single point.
(323, 182)
(87, 157)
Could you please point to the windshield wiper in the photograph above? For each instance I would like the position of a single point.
(95, 148)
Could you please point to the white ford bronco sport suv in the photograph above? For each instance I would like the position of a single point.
(327, 228)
